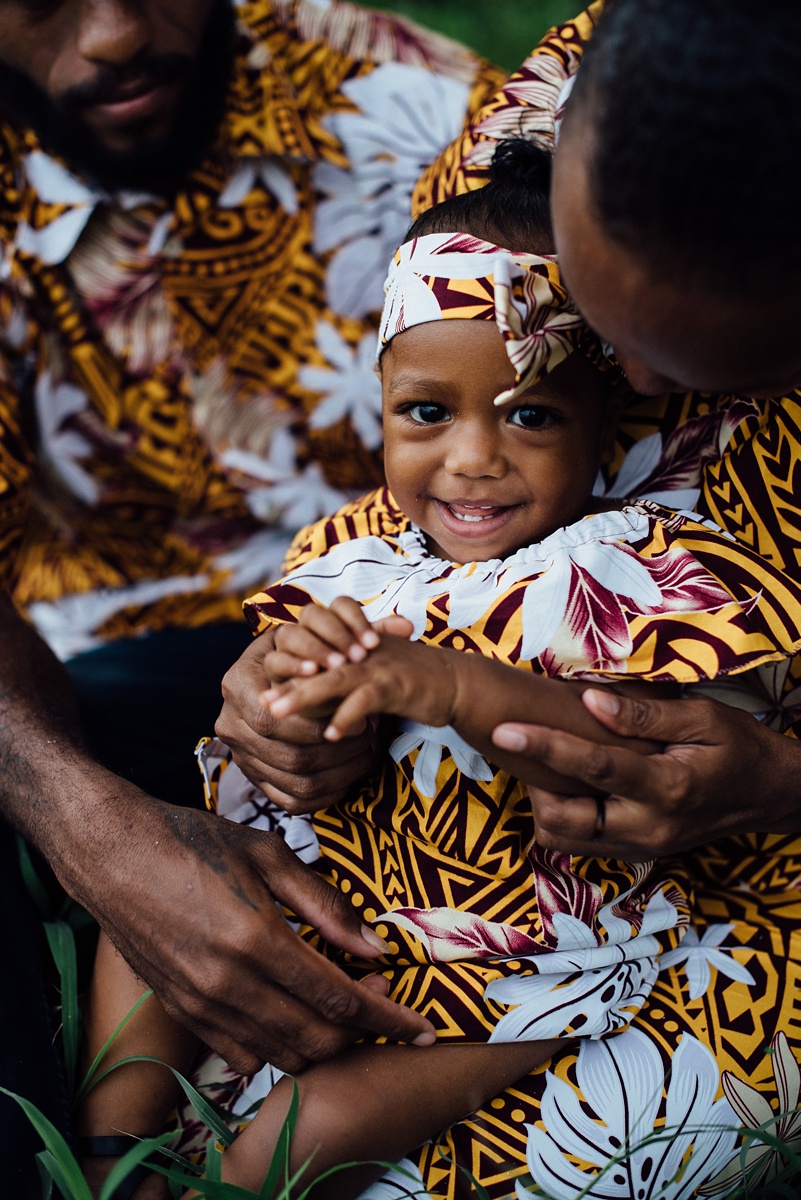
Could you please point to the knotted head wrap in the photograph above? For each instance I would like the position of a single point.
(455, 275)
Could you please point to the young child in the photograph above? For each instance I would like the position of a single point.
(497, 417)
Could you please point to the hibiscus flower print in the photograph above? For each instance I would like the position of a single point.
(759, 1161)
(621, 1082)
(388, 142)
(349, 387)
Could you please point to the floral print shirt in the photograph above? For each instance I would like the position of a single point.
(185, 383)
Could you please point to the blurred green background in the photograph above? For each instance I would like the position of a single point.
(502, 30)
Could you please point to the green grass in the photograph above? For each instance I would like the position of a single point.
(58, 1166)
(504, 31)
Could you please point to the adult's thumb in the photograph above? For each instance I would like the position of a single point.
(654, 720)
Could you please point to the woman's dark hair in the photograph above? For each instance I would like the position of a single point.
(513, 210)
(693, 113)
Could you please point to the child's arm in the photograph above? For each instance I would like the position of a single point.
(376, 1102)
(425, 683)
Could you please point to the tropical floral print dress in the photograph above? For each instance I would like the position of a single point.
(492, 936)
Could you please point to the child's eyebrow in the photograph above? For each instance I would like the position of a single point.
(402, 381)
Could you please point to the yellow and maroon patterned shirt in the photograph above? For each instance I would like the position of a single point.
(184, 384)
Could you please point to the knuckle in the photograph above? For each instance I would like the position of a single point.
(340, 1007)
(597, 766)
(550, 818)
(317, 1047)
(675, 792)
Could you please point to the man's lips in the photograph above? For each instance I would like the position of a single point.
(135, 103)
(474, 518)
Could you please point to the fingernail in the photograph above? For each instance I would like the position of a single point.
(332, 734)
(371, 937)
(602, 701)
(370, 639)
(508, 738)
(308, 666)
(281, 706)
(336, 659)
(267, 697)
(357, 653)
(425, 1039)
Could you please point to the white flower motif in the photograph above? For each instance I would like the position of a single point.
(61, 447)
(407, 117)
(582, 986)
(289, 497)
(621, 1079)
(350, 385)
(68, 625)
(54, 184)
(433, 744)
(702, 953)
(257, 559)
(266, 171)
(758, 1163)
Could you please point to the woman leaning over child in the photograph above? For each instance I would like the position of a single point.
(502, 572)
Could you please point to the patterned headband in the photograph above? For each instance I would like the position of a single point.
(445, 275)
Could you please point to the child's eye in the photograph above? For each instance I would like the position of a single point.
(427, 414)
(532, 416)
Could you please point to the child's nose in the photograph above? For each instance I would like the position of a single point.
(475, 452)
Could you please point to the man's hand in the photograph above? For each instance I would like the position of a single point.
(289, 760)
(190, 901)
(721, 773)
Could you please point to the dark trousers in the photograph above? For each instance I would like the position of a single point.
(144, 703)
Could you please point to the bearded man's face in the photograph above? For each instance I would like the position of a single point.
(128, 91)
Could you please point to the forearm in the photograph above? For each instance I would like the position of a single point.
(378, 1102)
(488, 693)
(51, 789)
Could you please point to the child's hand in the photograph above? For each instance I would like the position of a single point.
(323, 638)
(403, 678)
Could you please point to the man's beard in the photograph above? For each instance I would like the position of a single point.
(159, 166)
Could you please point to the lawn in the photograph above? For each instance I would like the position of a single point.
(503, 30)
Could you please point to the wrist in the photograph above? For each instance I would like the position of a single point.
(85, 812)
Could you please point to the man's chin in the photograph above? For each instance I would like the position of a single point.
(155, 161)
(156, 156)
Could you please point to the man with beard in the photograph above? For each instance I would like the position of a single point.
(197, 206)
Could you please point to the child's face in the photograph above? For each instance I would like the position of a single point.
(481, 480)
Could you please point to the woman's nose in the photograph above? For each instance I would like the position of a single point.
(644, 380)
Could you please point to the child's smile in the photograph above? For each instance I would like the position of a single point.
(481, 481)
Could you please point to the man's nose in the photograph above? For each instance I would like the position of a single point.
(114, 32)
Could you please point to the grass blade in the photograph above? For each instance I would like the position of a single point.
(209, 1113)
(31, 879)
(280, 1160)
(58, 1159)
(132, 1158)
(213, 1169)
(45, 1177)
(61, 941)
(89, 1080)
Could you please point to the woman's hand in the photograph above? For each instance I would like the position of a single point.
(722, 773)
